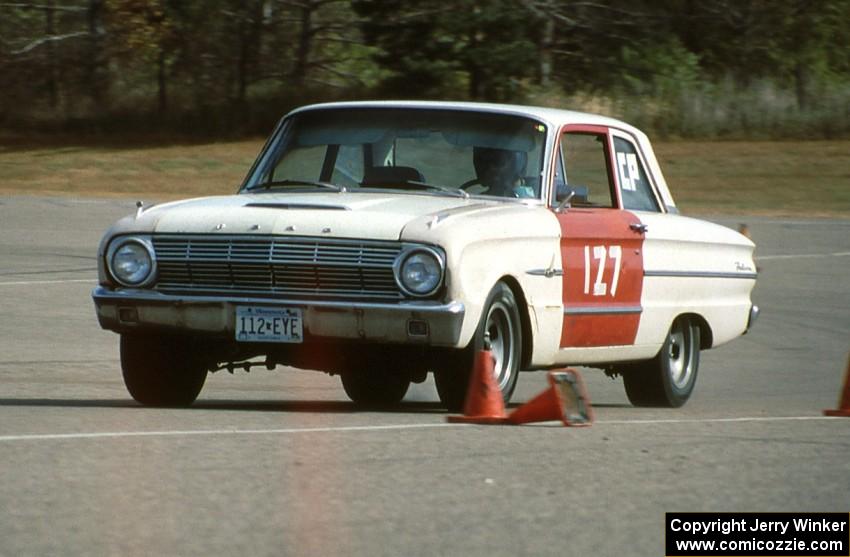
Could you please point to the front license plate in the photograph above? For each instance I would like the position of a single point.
(259, 324)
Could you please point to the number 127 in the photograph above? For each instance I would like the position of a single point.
(600, 254)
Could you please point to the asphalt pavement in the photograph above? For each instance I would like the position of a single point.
(280, 463)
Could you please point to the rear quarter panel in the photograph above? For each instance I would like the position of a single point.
(694, 267)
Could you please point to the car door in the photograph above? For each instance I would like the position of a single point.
(601, 244)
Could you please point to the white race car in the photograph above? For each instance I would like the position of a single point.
(382, 241)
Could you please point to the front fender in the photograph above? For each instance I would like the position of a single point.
(491, 243)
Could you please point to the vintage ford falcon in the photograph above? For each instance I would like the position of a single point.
(382, 241)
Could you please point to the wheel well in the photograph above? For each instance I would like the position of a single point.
(705, 334)
(525, 320)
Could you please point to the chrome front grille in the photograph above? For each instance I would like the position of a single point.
(294, 267)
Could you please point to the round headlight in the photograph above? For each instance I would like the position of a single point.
(420, 273)
(131, 262)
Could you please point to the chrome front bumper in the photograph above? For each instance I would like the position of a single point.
(429, 323)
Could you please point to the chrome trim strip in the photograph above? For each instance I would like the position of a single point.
(548, 273)
(700, 274)
(287, 206)
(129, 295)
(270, 239)
(603, 310)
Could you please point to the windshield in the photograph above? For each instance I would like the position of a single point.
(437, 151)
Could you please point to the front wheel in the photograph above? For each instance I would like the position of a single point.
(668, 379)
(162, 370)
(501, 321)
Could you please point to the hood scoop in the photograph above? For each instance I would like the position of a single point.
(299, 206)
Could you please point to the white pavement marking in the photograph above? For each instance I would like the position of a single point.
(802, 256)
(29, 282)
(718, 420)
(107, 434)
(344, 429)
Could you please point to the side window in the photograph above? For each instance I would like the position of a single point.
(634, 185)
(583, 170)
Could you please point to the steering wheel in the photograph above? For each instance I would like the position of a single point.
(470, 183)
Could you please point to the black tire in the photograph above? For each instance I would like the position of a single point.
(162, 370)
(375, 386)
(668, 379)
(502, 321)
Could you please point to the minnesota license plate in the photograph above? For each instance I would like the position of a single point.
(261, 324)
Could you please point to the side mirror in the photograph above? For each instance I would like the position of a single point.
(564, 203)
(565, 195)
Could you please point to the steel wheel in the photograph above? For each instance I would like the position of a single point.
(501, 321)
(500, 329)
(668, 379)
(680, 351)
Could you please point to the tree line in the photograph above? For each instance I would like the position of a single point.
(233, 66)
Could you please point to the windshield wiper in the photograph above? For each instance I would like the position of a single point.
(287, 183)
(453, 191)
(342, 189)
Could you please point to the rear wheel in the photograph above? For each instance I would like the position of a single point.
(161, 370)
(668, 379)
(501, 321)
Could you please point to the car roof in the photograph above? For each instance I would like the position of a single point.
(552, 116)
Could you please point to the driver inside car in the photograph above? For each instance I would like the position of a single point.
(501, 172)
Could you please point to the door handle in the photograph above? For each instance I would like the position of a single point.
(639, 227)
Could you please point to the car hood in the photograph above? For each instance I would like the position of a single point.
(380, 216)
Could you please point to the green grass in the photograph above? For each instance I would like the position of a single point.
(161, 172)
(762, 177)
(771, 177)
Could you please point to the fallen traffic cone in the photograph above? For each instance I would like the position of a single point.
(484, 403)
(566, 400)
(844, 400)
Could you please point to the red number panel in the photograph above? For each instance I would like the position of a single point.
(603, 277)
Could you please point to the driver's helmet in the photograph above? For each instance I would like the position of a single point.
(499, 169)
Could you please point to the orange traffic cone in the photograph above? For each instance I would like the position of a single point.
(566, 400)
(484, 403)
(844, 400)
